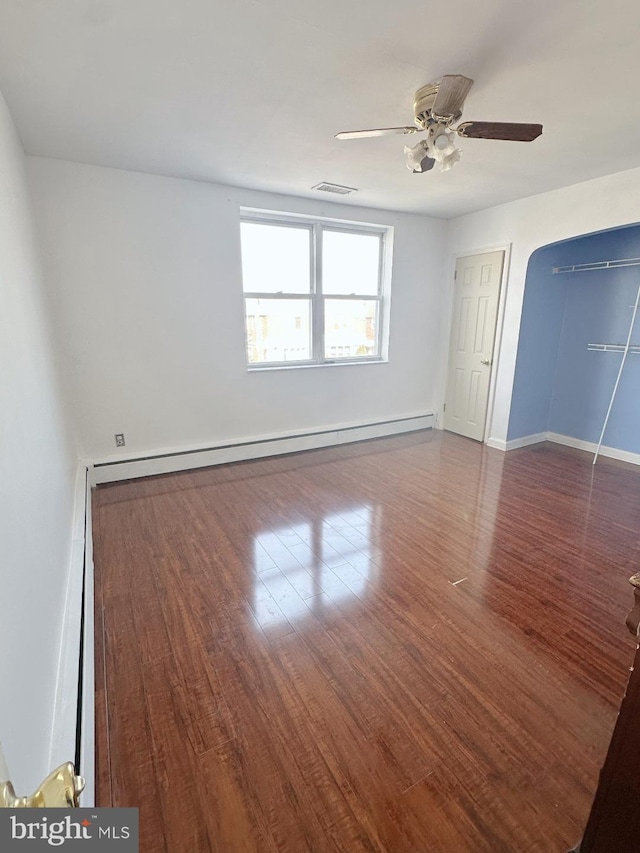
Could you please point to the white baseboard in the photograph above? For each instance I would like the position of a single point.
(591, 447)
(114, 469)
(63, 730)
(567, 441)
(525, 441)
(496, 443)
(515, 443)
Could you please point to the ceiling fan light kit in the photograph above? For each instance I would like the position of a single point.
(415, 156)
(438, 148)
(450, 160)
(442, 147)
(436, 107)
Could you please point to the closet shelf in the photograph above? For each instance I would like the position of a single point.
(612, 348)
(599, 265)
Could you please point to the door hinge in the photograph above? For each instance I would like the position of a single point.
(444, 408)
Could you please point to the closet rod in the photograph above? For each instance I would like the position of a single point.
(599, 265)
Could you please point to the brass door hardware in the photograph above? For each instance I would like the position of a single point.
(60, 789)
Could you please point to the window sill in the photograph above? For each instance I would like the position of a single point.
(254, 368)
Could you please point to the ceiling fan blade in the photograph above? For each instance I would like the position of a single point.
(509, 131)
(426, 165)
(452, 91)
(378, 131)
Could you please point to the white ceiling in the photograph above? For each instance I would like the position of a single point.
(251, 92)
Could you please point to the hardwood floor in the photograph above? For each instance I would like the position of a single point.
(409, 644)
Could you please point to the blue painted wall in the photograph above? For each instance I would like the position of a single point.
(559, 385)
(540, 327)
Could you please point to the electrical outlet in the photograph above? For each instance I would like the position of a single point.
(119, 437)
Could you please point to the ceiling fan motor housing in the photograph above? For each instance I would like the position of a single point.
(423, 102)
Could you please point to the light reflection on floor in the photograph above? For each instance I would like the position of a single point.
(300, 566)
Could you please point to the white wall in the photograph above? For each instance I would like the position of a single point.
(37, 470)
(148, 302)
(528, 224)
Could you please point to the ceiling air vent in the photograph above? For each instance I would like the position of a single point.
(334, 188)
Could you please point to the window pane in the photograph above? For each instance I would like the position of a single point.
(278, 330)
(350, 263)
(350, 328)
(275, 258)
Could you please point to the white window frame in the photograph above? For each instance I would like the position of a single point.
(316, 296)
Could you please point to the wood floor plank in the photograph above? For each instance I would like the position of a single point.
(408, 644)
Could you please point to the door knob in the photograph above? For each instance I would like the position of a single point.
(60, 789)
(486, 361)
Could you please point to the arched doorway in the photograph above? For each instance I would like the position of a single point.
(562, 384)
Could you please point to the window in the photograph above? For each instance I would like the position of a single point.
(313, 291)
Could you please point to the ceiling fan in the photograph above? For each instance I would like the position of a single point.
(437, 106)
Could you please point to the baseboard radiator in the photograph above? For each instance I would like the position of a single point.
(115, 469)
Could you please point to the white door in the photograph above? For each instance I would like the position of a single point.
(473, 331)
(4, 770)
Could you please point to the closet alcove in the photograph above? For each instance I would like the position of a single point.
(578, 306)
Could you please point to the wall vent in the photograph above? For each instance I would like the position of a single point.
(334, 188)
